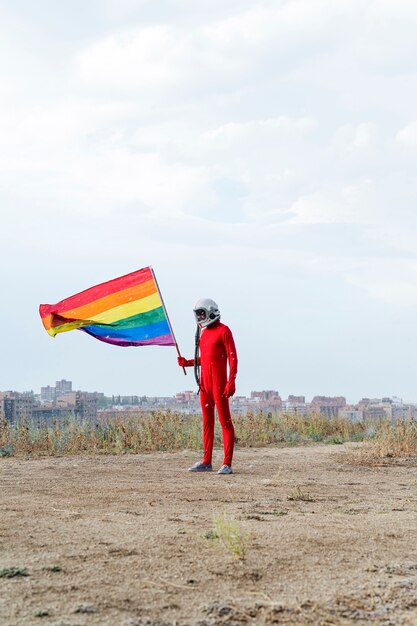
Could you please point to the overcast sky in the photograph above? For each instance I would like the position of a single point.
(262, 154)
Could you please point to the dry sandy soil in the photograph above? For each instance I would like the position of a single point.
(129, 538)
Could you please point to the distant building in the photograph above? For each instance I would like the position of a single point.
(376, 411)
(329, 406)
(351, 414)
(365, 402)
(239, 405)
(66, 400)
(6, 406)
(48, 394)
(267, 400)
(51, 394)
(295, 405)
(401, 412)
(385, 408)
(63, 387)
(264, 396)
(187, 399)
(86, 405)
(16, 406)
(24, 404)
(296, 399)
(46, 414)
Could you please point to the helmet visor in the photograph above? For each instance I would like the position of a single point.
(201, 315)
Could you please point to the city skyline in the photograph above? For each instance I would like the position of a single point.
(65, 386)
(62, 402)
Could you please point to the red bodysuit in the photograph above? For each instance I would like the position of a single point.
(217, 349)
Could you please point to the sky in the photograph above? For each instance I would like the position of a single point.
(259, 153)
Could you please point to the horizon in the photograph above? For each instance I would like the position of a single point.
(284, 397)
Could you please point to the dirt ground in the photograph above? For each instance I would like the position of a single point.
(129, 540)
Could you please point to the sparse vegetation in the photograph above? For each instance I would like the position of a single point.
(257, 429)
(231, 536)
(391, 441)
(12, 572)
(167, 430)
(6, 451)
(53, 568)
(299, 494)
(40, 613)
(210, 534)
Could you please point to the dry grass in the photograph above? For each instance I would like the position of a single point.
(392, 442)
(266, 428)
(298, 494)
(231, 536)
(141, 433)
(170, 431)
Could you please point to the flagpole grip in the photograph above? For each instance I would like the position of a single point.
(179, 354)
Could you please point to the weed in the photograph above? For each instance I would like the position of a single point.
(11, 572)
(231, 536)
(334, 440)
(210, 534)
(40, 613)
(6, 450)
(53, 568)
(299, 495)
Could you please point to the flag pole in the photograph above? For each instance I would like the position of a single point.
(166, 315)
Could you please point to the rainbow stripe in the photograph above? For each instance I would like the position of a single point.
(125, 311)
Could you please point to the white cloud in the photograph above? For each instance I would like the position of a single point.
(222, 53)
(390, 281)
(282, 125)
(407, 136)
(149, 57)
(350, 204)
(117, 176)
(354, 139)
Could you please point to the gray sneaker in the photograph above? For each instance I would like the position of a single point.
(225, 469)
(200, 467)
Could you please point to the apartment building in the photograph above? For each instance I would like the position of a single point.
(63, 387)
(16, 406)
(48, 394)
(327, 405)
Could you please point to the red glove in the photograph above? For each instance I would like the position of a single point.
(230, 388)
(182, 362)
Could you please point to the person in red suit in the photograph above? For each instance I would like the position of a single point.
(215, 350)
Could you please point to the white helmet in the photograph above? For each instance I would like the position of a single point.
(206, 312)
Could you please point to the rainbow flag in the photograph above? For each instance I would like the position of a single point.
(125, 311)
